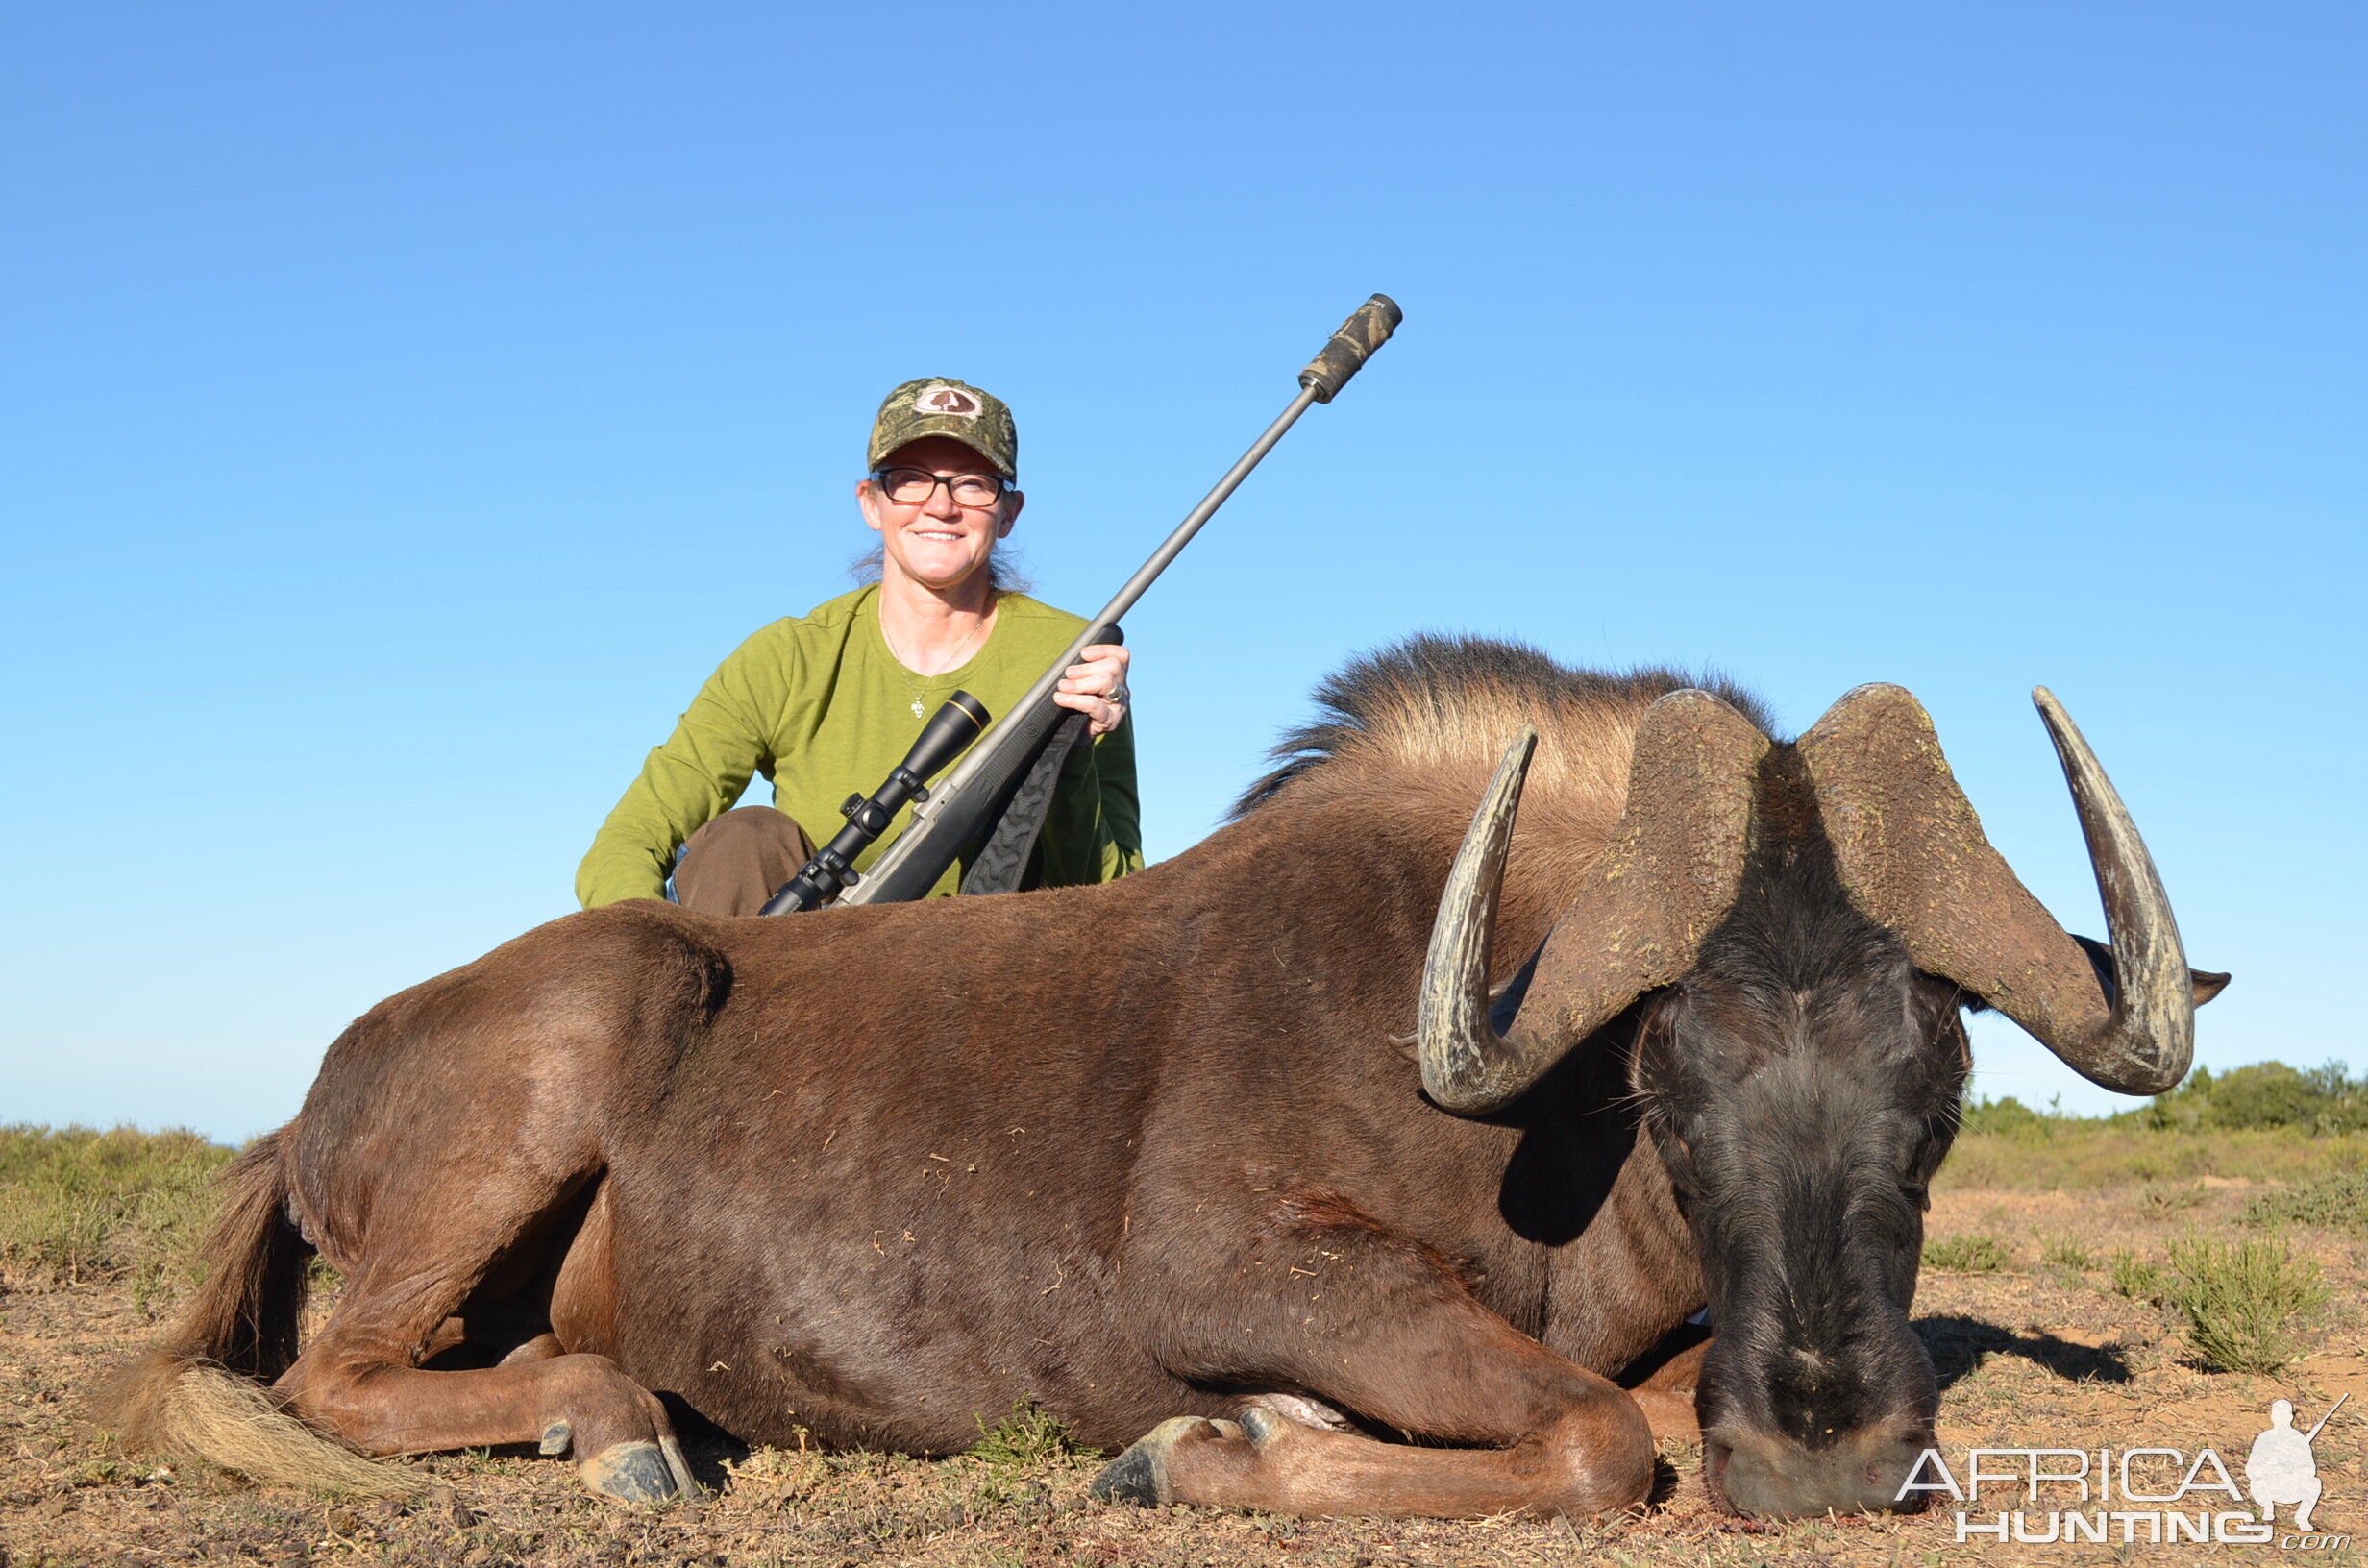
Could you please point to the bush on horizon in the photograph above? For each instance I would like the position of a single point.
(2263, 1123)
(2324, 1102)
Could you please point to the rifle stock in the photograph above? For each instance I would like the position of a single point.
(959, 810)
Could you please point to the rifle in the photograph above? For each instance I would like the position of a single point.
(1018, 760)
(949, 729)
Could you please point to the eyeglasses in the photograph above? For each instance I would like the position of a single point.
(915, 486)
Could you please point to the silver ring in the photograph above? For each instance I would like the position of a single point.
(1117, 695)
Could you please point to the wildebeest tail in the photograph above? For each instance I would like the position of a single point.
(244, 1317)
(204, 1392)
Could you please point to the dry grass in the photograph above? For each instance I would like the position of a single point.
(77, 1203)
(2067, 1250)
(2335, 1201)
(2040, 1349)
(2081, 1154)
(1968, 1254)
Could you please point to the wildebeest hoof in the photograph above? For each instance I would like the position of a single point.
(635, 1472)
(558, 1437)
(684, 1481)
(1303, 1411)
(1140, 1475)
(1262, 1426)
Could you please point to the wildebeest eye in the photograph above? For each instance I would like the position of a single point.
(1677, 1153)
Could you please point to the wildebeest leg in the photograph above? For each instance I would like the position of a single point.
(1376, 1326)
(543, 1347)
(1668, 1396)
(360, 1381)
(1561, 1439)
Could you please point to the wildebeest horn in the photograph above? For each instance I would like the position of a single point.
(1912, 856)
(1668, 875)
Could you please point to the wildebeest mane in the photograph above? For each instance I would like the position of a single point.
(1432, 696)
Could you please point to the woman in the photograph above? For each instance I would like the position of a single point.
(824, 704)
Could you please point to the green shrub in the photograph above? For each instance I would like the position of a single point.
(2338, 1200)
(2136, 1278)
(2065, 1250)
(2245, 1301)
(79, 1204)
(1027, 1435)
(1968, 1254)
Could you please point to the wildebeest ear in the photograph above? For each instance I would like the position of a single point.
(1911, 855)
(2205, 983)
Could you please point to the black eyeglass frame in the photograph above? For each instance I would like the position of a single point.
(879, 477)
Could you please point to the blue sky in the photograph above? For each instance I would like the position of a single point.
(405, 407)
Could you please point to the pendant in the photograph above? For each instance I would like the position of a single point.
(917, 708)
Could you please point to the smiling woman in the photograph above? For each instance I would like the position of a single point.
(826, 704)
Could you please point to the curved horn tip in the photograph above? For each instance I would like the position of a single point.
(1468, 1100)
(2058, 719)
(2069, 741)
(1463, 1058)
(1512, 778)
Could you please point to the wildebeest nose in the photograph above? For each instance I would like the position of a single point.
(1862, 1473)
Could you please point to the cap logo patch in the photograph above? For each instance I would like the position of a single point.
(945, 400)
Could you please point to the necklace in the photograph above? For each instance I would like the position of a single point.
(906, 672)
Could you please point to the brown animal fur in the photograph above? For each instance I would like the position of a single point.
(1137, 1151)
(198, 1396)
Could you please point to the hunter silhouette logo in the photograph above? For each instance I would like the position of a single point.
(945, 400)
(2153, 1496)
(2282, 1468)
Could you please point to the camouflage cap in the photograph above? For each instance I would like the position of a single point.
(935, 405)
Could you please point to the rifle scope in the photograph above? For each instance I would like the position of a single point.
(971, 798)
(819, 880)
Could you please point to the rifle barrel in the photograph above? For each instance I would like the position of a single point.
(881, 884)
(899, 874)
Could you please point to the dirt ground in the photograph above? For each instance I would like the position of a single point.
(2038, 1353)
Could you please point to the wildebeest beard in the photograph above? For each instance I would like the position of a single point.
(1802, 1086)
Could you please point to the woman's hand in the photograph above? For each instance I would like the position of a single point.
(1095, 686)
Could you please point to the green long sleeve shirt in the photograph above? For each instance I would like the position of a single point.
(820, 707)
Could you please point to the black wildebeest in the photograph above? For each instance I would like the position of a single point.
(1214, 1153)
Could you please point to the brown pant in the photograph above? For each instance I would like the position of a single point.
(736, 862)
